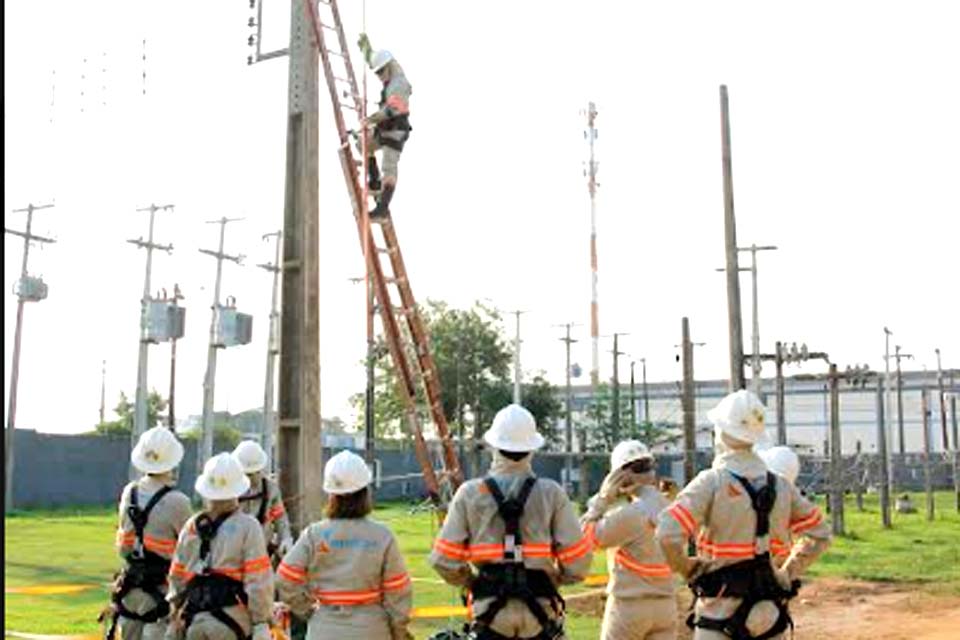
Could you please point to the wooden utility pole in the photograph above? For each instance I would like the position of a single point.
(927, 446)
(899, 356)
(737, 379)
(956, 451)
(882, 455)
(23, 295)
(299, 445)
(836, 457)
(568, 419)
(781, 397)
(689, 409)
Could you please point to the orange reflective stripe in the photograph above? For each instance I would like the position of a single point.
(806, 522)
(643, 569)
(575, 551)
(180, 570)
(291, 573)
(230, 572)
(538, 550)
(683, 517)
(257, 565)
(398, 104)
(123, 538)
(727, 549)
(397, 582)
(590, 531)
(369, 596)
(779, 547)
(275, 512)
(159, 545)
(450, 549)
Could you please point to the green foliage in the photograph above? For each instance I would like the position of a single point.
(473, 361)
(126, 412)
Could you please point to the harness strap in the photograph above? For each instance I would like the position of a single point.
(263, 497)
(140, 516)
(511, 510)
(207, 530)
(762, 500)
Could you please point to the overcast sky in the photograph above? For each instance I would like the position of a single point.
(845, 129)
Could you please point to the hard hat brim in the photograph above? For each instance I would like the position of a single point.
(536, 441)
(143, 465)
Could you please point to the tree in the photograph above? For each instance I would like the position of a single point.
(126, 411)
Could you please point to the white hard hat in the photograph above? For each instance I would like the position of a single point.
(782, 461)
(157, 451)
(628, 451)
(346, 472)
(222, 478)
(380, 59)
(251, 456)
(514, 429)
(740, 415)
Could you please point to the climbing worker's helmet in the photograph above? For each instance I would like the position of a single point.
(251, 456)
(345, 473)
(514, 429)
(782, 461)
(633, 453)
(739, 415)
(222, 478)
(380, 59)
(157, 451)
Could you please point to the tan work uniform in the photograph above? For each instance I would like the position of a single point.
(237, 551)
(716, 510)
(348, 577)
(473, 534)
(641, 593)
(395, 97)
(164, 523)
(276, 524)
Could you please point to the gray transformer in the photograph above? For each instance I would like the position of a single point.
(232, 328)
(165, 321)
(31, 289)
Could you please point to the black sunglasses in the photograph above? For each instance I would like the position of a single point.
(639, 466)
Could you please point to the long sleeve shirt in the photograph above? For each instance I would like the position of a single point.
(347, 562)
(237, 551)
(164, 523)
(276, 523)
(635, 562)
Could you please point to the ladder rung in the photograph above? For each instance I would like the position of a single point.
(336, 53)
(326, 26)
(384, 250)
(350, 106)
(394, 280)
(339, 79)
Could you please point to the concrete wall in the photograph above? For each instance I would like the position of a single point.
(60, 470)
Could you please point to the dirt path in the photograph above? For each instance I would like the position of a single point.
(852, 610)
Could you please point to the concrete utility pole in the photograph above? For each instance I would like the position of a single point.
(689, 406)
(616, 385)
(737, 380)
(171, 416)
(756, 379)
(927, 447)
(888, 385)
(568, 415)
(633, 396)
(956, 450)
(943, 405)
(299, 443)
(24, 294)
(882, 455)
(900, 433)
(140, 416)
(209, 380)
(591, 135)
(781, 396)
(103, 391)
(646, 395)
(273, 350)
(517, 394)
(836, 454)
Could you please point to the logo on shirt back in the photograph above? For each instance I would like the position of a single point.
(733, 491)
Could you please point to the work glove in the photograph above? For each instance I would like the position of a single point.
(262, 632)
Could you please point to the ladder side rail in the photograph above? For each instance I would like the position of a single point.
(428, 369)
(392, 330)
(351, 76)
(327, 71)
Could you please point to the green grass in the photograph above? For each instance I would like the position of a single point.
(71, 546)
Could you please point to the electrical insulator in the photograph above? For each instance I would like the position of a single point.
(253, 4)
(250, 60)
(250, 41)
(251, 23)
(804, 353)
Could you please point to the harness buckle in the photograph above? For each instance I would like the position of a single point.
(511, 550)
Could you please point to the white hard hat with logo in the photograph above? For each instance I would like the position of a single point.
(514, 429)
(346, 472)
(222, 478)
(782, 461)
(739, 415)
(628, 451)
(380, 59)
(157, 451)
(251, 456)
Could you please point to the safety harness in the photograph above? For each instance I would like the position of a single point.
(752, 580)
(511, 579)
(208, 591)
(145, 570)
(264, 498)
(393, 122)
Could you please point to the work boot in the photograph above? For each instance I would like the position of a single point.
(373, 174)
(382, 209)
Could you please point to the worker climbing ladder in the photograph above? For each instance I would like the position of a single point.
(398, 318)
